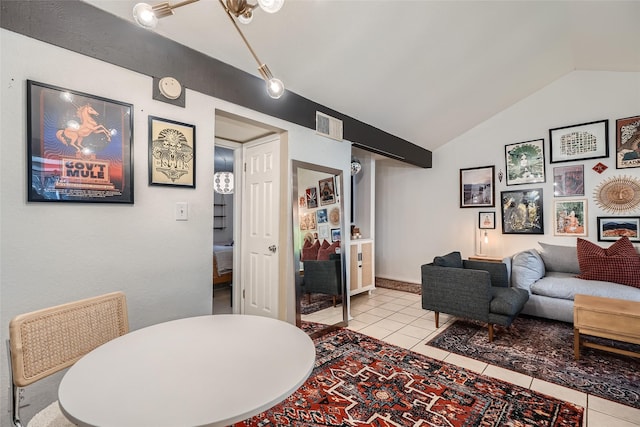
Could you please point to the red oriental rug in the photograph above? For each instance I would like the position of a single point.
(361, 381)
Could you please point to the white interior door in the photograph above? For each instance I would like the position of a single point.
(260, 231)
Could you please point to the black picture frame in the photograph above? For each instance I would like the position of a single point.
(172, 153)
(522, 211)
(487, 220)
(579, 142)
(79, 147)
(628, 142)
(524, 162)
(612, 228)
(477, 187)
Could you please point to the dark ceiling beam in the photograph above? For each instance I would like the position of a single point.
(83, 28)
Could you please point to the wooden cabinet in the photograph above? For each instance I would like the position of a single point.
(362, 271)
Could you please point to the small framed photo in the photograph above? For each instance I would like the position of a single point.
(628, 142)
(570, 217)
(486, 220)
(525, 162)
(522, 211)
(477, 187)
(579, 142)
(327, 191)
(335, 234)
(568, 181)
(322, 216)
(323, 232)
(312, 197)
(611, 228)
(172, 153)
(79, 147)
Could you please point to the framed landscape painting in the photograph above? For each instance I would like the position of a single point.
(612, 228)
(522, 212)
(525, 162)
(570, 217)
(477, 187)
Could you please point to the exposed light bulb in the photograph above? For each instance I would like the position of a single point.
(271, 6)
(486, 238)
(275, 88)
(246, 18)
(144, 15)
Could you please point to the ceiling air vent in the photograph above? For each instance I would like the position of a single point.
(328, 126)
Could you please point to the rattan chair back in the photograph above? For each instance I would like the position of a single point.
(46, 341)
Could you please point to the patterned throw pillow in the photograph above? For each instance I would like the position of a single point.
(619, 263)
(323, 253)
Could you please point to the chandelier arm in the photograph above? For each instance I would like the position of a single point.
(244, 39)
(183, 3)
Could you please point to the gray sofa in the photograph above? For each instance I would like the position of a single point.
(549, 277)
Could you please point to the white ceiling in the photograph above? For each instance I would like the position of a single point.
(426, 71)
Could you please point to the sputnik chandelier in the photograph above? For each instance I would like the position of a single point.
(147, 16)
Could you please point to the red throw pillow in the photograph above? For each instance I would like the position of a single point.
(323, 253)
(310, 252)
(619, 263)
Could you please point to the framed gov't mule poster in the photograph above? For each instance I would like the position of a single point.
(79, 147)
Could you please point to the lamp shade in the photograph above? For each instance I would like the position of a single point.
(223, 182)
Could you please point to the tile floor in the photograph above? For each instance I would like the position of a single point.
(398, 318)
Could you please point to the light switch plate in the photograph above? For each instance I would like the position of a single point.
(182, 211)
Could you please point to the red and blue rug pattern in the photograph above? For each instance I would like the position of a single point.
(361, 381)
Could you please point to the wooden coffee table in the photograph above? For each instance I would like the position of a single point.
(606, 318)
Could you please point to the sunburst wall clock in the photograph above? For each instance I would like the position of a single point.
(618, 194)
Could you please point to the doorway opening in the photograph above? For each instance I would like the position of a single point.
(231, 133)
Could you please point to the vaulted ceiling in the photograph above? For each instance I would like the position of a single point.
(425, 71)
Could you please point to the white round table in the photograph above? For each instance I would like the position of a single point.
(199, 371)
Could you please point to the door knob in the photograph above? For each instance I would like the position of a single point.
(272, 248)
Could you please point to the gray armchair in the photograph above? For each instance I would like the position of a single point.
(475, 290)
(323, 277)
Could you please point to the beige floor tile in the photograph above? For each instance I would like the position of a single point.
(367, 318)
(383, 298)
(615, 409)
(401, 317)
(432, 352)
(414, 331)
(598, 419)
(401, 340)
(389, 324)
(509, 376)
(412, 311)
(380, 312)
(466, 362)
(375, 331)
(392, 306)
(559, 392)
(356, 325)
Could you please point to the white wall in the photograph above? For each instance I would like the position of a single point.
(53, 253)
(417, 213)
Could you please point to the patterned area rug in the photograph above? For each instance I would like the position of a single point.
(361, 381)
(543, 349)
(318, 302)
(414, 288)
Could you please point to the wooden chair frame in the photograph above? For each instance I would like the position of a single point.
(46, 341)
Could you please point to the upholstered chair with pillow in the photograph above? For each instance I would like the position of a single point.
(475, 290)
(322, 270)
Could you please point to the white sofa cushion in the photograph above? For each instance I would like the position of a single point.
(526, 268)
(566, 286)
(560, 258)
